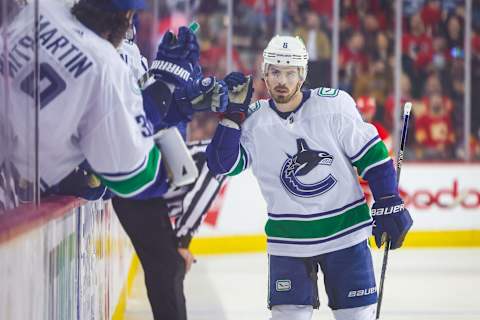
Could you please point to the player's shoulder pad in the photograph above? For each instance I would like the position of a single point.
(334, 100)
(327, 92)
(254, 109)
(130, 49)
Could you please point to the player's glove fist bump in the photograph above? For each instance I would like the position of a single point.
(177, 58)
(240, 91)
(202, 94)
(392, 219)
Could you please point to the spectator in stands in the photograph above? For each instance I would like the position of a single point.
(350, 19)
(261, 14)
(382, 49)
(417, 50)
(210, 6)
(453, 6)
(214, 59)
(318, 48)
(293, 14)
(431, 15)
(454, 34)
(353, 60)
(370, 29)
(376, 83)
(440, 55)
(434, 133)
(405, 95)
(412, 7)
(323, 8)
(455, 80)
(433, 85)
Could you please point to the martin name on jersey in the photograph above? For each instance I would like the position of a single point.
(305, 165)
(90, 104)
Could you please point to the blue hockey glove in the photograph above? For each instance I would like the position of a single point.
(390, 217)
(240, 91)
(202, 94)
(185, 46)
(164, 108)
(177, 59)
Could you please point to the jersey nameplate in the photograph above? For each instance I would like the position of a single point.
(327, 92)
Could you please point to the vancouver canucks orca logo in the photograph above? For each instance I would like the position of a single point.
(300, 164)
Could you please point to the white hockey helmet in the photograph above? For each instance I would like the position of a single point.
(286, 51)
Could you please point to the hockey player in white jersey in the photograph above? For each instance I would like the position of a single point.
(91, 107)
(305, 148)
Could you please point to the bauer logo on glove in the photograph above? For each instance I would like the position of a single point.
(388, 210)
(177, 59)
(161, 65)
(391, 218)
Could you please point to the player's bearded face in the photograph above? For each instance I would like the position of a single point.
(283, 83)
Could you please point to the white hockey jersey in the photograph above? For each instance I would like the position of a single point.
(91, 105)
(130, 53)
(305, 168)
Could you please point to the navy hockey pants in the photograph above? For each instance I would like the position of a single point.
(348, 277)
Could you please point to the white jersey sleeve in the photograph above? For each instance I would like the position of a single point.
(130, 53)
(359, 140)
(118, 130)
(135, 161)
(247, 137)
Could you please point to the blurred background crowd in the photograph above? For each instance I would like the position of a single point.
(432, 58)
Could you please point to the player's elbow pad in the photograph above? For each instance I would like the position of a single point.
(382, 180)
(223, 150)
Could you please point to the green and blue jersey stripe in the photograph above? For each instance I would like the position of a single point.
(134, 183)
(373, 154)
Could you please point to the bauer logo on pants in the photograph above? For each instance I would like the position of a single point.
(362, 292)
(283, 285)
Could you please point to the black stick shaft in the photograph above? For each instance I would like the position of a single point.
(403, 141)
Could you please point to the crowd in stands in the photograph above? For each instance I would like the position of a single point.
(432, 46)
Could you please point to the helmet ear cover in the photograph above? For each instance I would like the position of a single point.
(286, 51)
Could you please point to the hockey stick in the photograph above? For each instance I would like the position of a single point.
(406, 115)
